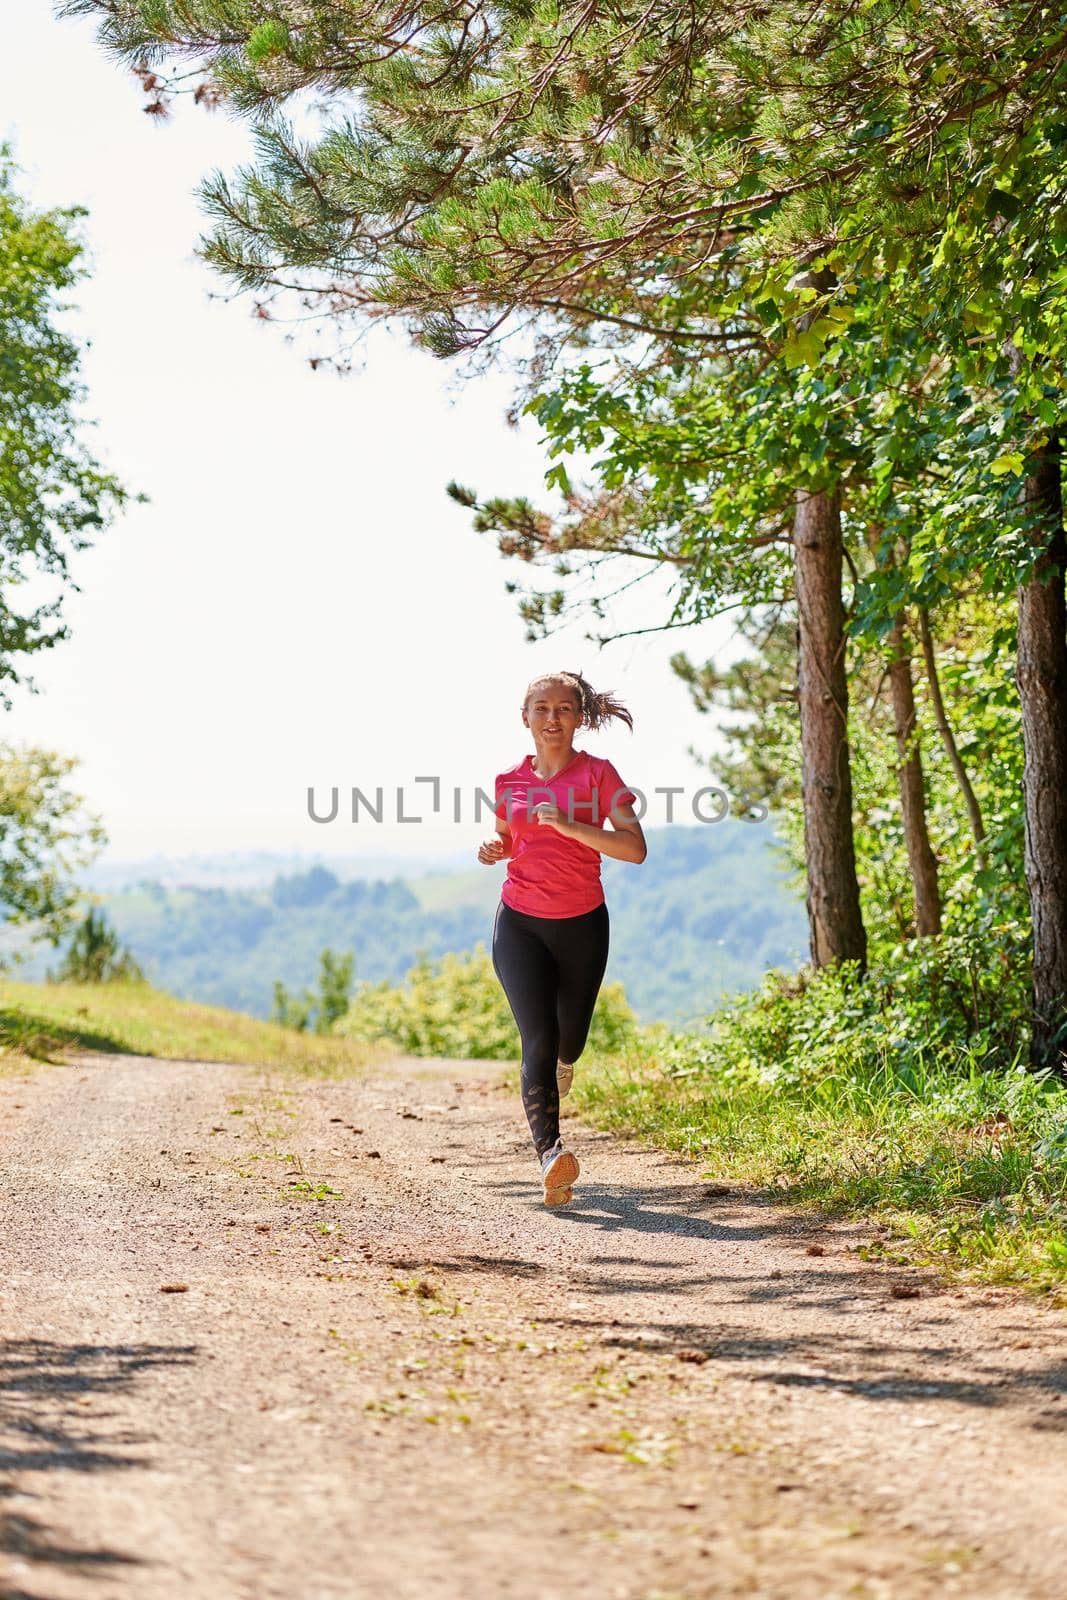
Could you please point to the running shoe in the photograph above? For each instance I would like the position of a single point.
(559, 1170)
(564, 1077)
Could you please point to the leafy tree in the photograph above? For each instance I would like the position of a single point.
(580, 167)
(468, 161)
(755, 707)
(319, 1011)
(46, 837)
(94, 955)
(292, 1011)
(54, 497)
(335, 985)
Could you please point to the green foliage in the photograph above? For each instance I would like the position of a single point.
(309, 888)
(54, 497)
(754, 703)
(94, 955)
(46, 837)
(905, 1097)
(816, 253)
(45, 1020)
(715, 909)
(270, 38)
(929, 1003)
(335, 984)
(318, 1011)
(456, 1007)
(291, 1011)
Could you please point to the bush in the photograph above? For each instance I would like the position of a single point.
(94, 955)
(905, 1094)
(319, 1011)
(956, 1001)
(456, 1007)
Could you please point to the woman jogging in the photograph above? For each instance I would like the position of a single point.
(550, 934)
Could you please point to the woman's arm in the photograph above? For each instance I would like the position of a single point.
(491, 851)
(625, 843)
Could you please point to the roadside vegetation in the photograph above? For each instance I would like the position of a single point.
(857, 1098)
(456, 1007)
(48, 1021)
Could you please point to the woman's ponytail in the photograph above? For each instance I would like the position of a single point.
(596, 707)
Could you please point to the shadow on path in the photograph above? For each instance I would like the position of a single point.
(44, 1429)
(857, 1352)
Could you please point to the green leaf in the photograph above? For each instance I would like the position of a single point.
(1011, 461)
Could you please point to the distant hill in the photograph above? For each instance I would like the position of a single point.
(705, 914)
(249, 869)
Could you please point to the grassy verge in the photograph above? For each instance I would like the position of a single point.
(968, 1167)
(47, 1021)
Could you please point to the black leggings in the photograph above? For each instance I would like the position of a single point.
(550, 969)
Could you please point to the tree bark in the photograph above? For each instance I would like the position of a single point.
(921, 859)
(1041, 679)
(835, 922)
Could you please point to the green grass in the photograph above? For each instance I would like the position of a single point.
(48, 1021)
(968, 1168)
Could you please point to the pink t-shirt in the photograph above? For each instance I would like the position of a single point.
(550, 875)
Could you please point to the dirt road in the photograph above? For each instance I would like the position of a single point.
(273, 1337)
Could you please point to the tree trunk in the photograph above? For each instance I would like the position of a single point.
(921, 858)
(835, 923)
(1041, 678)
(948, 739)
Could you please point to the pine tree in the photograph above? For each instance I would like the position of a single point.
(94, 955)
(578, 167)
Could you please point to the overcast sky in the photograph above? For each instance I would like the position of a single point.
(299, 603)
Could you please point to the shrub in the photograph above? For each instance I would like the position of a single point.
(958, 1000)
(456, 1007)
(319, 1011)
(94, 955)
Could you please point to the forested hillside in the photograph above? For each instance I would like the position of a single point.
(707, 913)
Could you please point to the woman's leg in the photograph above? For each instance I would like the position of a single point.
(581, 950)
(528, 975)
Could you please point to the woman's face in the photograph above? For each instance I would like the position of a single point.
(551, 714)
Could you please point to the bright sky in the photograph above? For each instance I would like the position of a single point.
(299, 603)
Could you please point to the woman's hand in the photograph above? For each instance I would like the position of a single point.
(549, 815)
(490, 851)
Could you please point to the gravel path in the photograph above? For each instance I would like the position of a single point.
(265, 1336)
